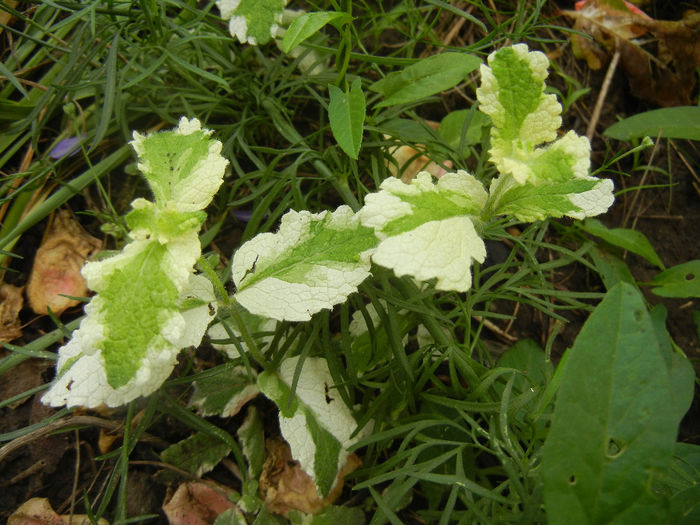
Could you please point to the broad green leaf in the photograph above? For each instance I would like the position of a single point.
(313, 420)
(197, 454)
(184, 167)
(685, 502)
(309, 24)
(232, 516)
(252, 21)
(526, 355)
(313, 262)
(149, 305)
(426, 230)
(536, 181)
(463, 128)
(223, 393)
(611, 268)
(612, 430)
(630, 240)
(425, 78)
(346, 113)
(252, 437)
(682, 280)
(681, 122)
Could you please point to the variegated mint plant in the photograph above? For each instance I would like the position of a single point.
(149, 303)
(431, 229)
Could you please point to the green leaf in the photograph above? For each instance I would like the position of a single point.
(682, 280)
(462, 128)
(309, 24)
(425, 78)
(612, 430)
(630, 240)
(611, 268)
(252, 21)
(427, 229)
(224, 392)
(346, 113)
(314, 419)
(526, 355)
(313, 262)
(197, 454)
(682, 122)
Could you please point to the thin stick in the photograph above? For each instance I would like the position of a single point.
(601, 96)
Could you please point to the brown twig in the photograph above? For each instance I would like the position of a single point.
(590, 131)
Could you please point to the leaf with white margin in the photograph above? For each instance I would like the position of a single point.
(260, 328)
(223, 392)
(82, 374)
(252, 21)
(314, 421)
(536, 181)
(426, 230)
(183, 166)
(149, 304)
(314, 261)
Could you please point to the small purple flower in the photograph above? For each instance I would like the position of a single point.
(65, 147)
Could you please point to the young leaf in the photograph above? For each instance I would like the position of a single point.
(346, 113)
(681, 122)
(536, 181)
(426, 230)
(424, 78)
(612, 429)
(313, 262)
(252, 21)
(149, 304)
(314, 420)
(309, 24)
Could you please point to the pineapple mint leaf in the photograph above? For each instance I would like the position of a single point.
(313, 262)
(536, 181)
(314, 420)
(252, 21)
(426, 230)
(149, 304)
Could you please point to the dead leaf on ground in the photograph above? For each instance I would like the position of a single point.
(197, 503)
(38, 511)
(25, 376)
(56, 270)
(659, 69)
(286, 487)
(11, 304)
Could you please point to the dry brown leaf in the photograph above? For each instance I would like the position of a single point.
(286, 487)
(56, 270)
(659, 69)
(11, 304)
(197, 503)
(38, 511)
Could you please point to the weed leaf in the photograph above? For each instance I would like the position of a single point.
(425, 78)
(307, 25)
(612, 429)
(346, 113)
(681, 122)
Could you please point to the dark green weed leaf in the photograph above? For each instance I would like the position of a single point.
(197, 454)
(425, 78)
(612, 430)
(611, 268)
(308, 25)
(682, 280)
(346, 113)
(681, 122)
(630, 240)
